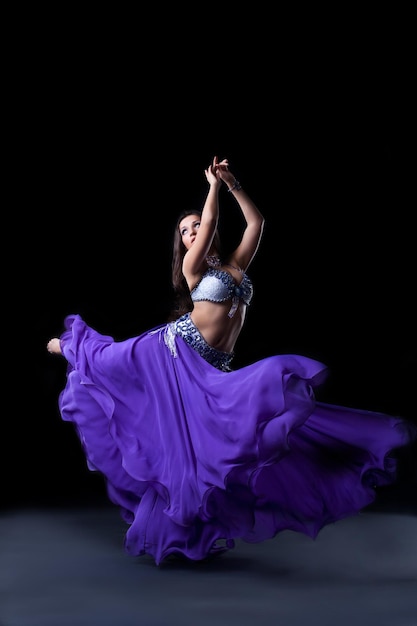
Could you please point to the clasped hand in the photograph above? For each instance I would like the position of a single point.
(219, 170)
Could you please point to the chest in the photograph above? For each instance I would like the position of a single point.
(218, 285)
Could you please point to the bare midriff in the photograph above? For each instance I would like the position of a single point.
(217, 328)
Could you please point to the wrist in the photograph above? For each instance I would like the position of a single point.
(235, 187)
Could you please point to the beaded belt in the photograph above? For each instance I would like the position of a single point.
(185, 328)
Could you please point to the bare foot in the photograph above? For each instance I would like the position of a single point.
(54, 346)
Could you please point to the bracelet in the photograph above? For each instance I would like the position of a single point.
(236, 186)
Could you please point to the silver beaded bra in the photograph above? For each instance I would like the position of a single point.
(217, 285)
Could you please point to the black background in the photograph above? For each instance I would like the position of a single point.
(112, 130)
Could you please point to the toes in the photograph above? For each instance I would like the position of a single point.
(53, 346)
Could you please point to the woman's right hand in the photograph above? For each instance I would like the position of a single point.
(212, 172)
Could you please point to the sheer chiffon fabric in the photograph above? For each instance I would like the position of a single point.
(196, 457)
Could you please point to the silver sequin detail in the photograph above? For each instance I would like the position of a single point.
(218, 286)
(185, 328)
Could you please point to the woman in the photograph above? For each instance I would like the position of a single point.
(213, 295)
(196, 454)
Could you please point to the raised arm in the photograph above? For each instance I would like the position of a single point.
(251, 237)
(195, 257)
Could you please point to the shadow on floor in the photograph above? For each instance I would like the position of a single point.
(66, 566)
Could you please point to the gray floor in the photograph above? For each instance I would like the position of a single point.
(67, 567)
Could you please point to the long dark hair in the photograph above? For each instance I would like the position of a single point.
(182, 298)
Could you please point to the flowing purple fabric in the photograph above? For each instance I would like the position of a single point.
(196, 457)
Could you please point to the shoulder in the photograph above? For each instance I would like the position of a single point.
(192, 277)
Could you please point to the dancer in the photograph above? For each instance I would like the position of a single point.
(197, 454)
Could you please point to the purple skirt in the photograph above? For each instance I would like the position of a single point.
(196, 457)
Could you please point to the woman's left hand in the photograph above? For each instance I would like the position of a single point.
(224, 173)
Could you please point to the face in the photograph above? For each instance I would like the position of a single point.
(188, 228)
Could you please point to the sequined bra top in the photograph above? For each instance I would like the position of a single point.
(217, 285)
